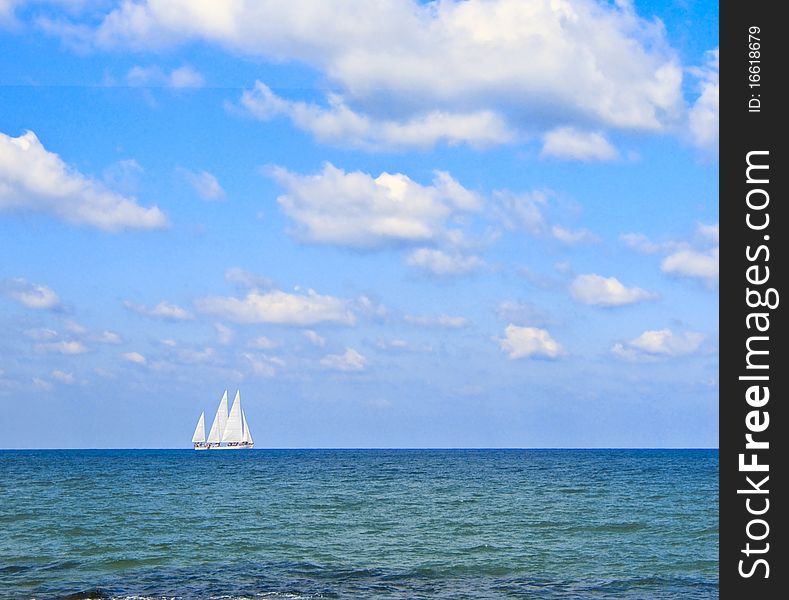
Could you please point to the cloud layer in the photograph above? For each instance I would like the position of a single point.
(441, 263)
(448, 70)
(276, 306)
(36, 180)
(341, 125)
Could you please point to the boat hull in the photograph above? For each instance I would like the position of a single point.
(236, 447)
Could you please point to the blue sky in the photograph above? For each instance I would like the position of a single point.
(389, 224)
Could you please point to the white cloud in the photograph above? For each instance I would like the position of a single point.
(570, 237)
(392, 344)
(135, 357)
(521, 313)
(263, 343)
(440, 321)
(185, 77)
(42, 384)
(644, 245)
(523, 211)
(108, 337)
(641, 243)
(529, 211)
(659, 343)
(224, 334)
(62, 347)
(246, 279)
(339, 124)
(703, 117)
(398, 345)
(123, 175)
(626, 353)
(75, 345)
(439, 262)
(694, 264)
(529, 342)
(264, 365)
(41, 334)
(164, 310)
(532, 62)
(350, 360)
(36, 180)
(77, 331)
(359, 211)
(709, 232)
(370, 307)
(681, 259)
(571, 144)
(665, 341)
(315, 338)
(180, 78)
(29, 294)
(7, 10)
(63, 376)
(75, 328)
(605, 291)
(193, 356)
(276, 306)
(205, 184)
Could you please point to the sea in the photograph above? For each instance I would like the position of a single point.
(357, 524)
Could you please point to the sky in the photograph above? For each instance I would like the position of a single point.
(389, 224)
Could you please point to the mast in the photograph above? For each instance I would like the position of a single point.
(220, 420)
(247, 435)
(199, 435)
(233, 429)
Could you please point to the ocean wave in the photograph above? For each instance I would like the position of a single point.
(389, 525)
(98, 594)
(421, 585)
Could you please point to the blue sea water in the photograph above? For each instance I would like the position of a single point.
(292, 524)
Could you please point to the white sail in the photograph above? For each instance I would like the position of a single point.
(233, 429)
(220, 421)
(199, 435)
(247, 439)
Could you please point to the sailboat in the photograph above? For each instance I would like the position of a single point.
(229, 431)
